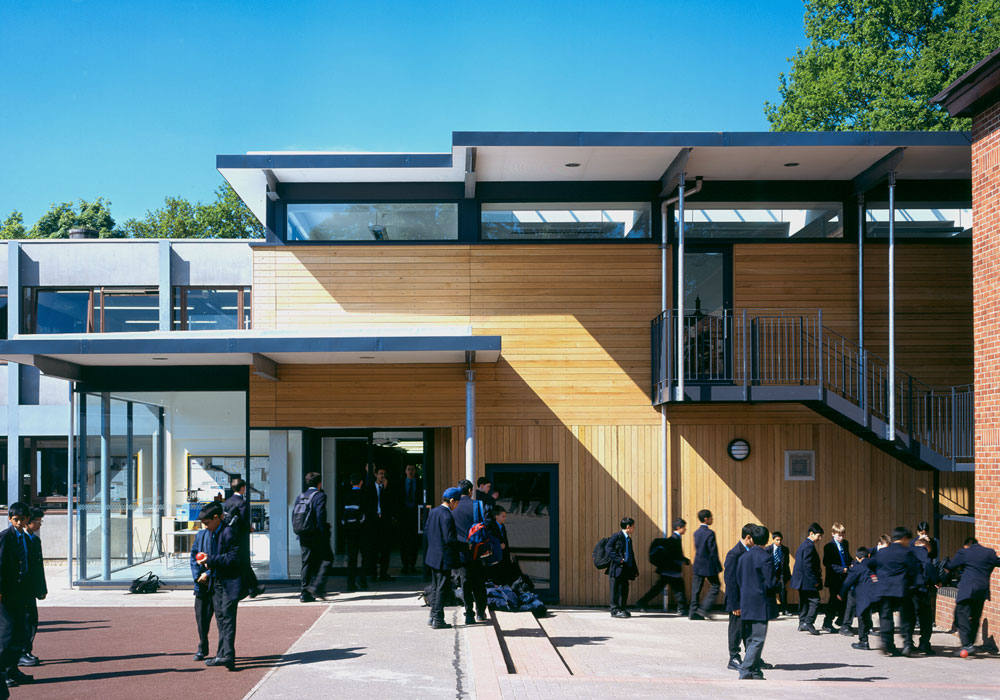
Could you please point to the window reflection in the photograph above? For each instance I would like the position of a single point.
(553, 221)
(404, 221)
(766, 221)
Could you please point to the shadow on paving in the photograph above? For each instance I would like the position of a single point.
(302, 657)
(818, 666)
(576, 641)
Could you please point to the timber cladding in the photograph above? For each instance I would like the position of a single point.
(571, 388)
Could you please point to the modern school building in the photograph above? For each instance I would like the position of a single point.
(774, 326)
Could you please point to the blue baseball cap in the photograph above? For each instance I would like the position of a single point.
(451, 493)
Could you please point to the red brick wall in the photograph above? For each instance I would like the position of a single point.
(986, 308)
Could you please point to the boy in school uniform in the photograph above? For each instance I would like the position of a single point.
(670, 568)
(36, 580)
(623, 567)
(976, 564)
(836, 560)
(757, 585)
(896, 568)
(860, 585)
(782, 568)
(14, 591)
(706, 567)
(922, 596)
(807, 579)
(732, 597)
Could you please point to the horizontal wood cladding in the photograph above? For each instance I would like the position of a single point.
(801, 277)
(574, 321)
(933, 310)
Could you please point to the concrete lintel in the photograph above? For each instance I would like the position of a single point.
(264, 366)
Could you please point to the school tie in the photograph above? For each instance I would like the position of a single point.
(628, 549)
(777, 558)
(840, 551)
(24, 550)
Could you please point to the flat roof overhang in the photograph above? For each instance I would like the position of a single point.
(68, 356)
(490, 156)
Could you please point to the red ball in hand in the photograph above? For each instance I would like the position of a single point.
(200, 557)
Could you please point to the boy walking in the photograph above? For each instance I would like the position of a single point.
(976, 564)
(896, 569)
(732, 598)
(441, 556)
(670, 568)
(836, 560)
(622, 568)
(706, 567)
(859, 583)
(807, 579)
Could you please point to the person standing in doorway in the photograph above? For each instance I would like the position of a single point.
(353, 522)
(623, 567)
(39, 589)
(310, 524)
(236, 509)
(379, 518)
(807, 579)
(441, 556)
(706, 567)
(413, 501)
(836, 561)
(224, 575)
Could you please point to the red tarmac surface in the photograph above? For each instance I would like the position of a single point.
(145, 653)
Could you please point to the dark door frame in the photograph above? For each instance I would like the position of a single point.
(552, 596)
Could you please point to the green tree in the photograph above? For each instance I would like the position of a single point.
(13, 227)
(226, 217)
(60, 218)
(875, 64)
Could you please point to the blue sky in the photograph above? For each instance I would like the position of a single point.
(133, 100)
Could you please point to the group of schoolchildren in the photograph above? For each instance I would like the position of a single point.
(899, 575)
(22, 584)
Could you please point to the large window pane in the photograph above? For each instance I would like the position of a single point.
(764, 221)
(919, 221)
(130, 312)
(555, 221)
(3, 312)
(372, 222)
(61, 311)
(209, 310)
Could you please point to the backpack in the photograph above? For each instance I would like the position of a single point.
(303, 515)
(147, 583)
(658, 552)
(601, 558)
(479, 539)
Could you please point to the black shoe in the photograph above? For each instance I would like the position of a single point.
(254, 592)
(926, 650)
(441, 625)
(847, 631)
(682, 612)
(198, 656)
(28, 660)
(626, 613)
(803, 627)
(764, 665)
(619, 614)
(696, 616)
(307, 597)
(317, 594)
(830, 628)
(891, 651)
(481, 617)
(19, 677)
(812, 630)
(907, 650)
(861, 645)
(969, 650)
(470, 619)
(11, 683)
(734, 663)
(216, 661)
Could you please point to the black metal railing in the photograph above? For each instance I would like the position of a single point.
(766, 347)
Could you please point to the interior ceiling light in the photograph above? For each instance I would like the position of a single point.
(572, 165)
(791, 165)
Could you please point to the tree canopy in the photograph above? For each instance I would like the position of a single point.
(224, 217)
(873, 65)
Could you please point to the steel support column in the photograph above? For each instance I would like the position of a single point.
(106, 486)
(680, 287)
(70, 465)
(129, 481)
(470, 425)
(861, 270)
(891, 427)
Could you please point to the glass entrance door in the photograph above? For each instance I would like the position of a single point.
(530, 494)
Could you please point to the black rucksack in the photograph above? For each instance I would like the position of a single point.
(303, 515)
(601, 558)
(658, 552)
(147, 583)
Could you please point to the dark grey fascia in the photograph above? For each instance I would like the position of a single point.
(278, 161)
